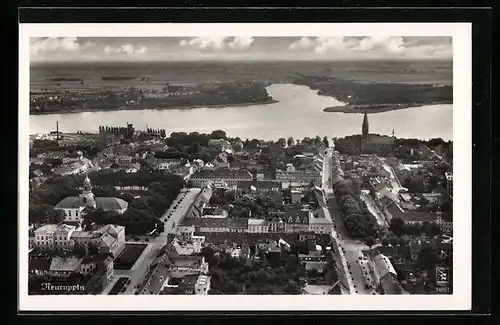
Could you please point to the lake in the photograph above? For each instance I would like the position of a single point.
(298, 113)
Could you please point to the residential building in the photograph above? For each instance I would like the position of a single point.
(314, 260)
(39, 265)
(276, 224)
(257, 226)
(385, 275)
(296, 196)
(307, 235)
(214, 212)
(259, 186)
(202, 285)
(320, 222)
(213, 225)
(228, 175)
(54, 237)
(446, 226)
(297, 221)
(31, 239)
(108, 239)
(449, 183)
(200, 201)
(408, 216)
(303, 177)
(62, 267)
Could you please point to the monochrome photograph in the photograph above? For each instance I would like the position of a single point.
(234, 165)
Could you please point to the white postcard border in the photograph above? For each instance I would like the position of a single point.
(462, 137)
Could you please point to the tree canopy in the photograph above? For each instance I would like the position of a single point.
(357, 218)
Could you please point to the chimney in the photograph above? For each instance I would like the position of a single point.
(57, 130)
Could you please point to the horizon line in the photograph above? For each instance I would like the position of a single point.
(243, 60)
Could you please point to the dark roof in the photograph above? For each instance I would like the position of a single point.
(70, 202)
(410, 216)
(40, 263)
(222, 173)
(215, 222)
(259, 185)
(156, 280)
(380, 139)
(398, 251)
(110, 203)
(105, 203)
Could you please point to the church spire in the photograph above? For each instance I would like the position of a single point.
(364, 128)
(87, 196)
(87, 186)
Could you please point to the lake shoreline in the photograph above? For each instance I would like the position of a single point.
(87, 110)
(373, 109)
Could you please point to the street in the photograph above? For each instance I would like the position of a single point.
(171, 218)
(348, 248)
(351, 249)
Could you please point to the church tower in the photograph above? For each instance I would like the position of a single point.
(364, 128)
(364, 133)
(88, 198)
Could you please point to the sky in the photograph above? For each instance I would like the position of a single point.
(239, 48)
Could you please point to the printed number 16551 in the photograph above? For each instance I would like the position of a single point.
(442, 290)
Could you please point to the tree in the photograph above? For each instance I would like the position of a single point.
(370, 241)
(300, 248)
(427, 258)
(232, 288)
(385, 242)
(396, 226)
(290, 142)
(326, 142)
(403, 241)
(292, 288)
(393, 241)
(218, 134)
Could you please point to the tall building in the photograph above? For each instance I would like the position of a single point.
(374, 143)
(88, 198)
(365, 128)
(72, 206)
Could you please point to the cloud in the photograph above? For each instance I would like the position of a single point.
(329, 44)
(127, 49)
(218, 43)
(305, 43)
(42, 46)
(376, 46)
(240, 42)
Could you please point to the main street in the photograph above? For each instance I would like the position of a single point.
(348, 248)
(171, 218)
(327, 184)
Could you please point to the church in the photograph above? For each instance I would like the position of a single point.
(72, 206)
(374, 143)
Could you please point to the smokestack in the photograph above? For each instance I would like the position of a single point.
(57, 130)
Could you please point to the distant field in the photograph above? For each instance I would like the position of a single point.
(416, 72)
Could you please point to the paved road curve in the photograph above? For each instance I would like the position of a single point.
(140, 268)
